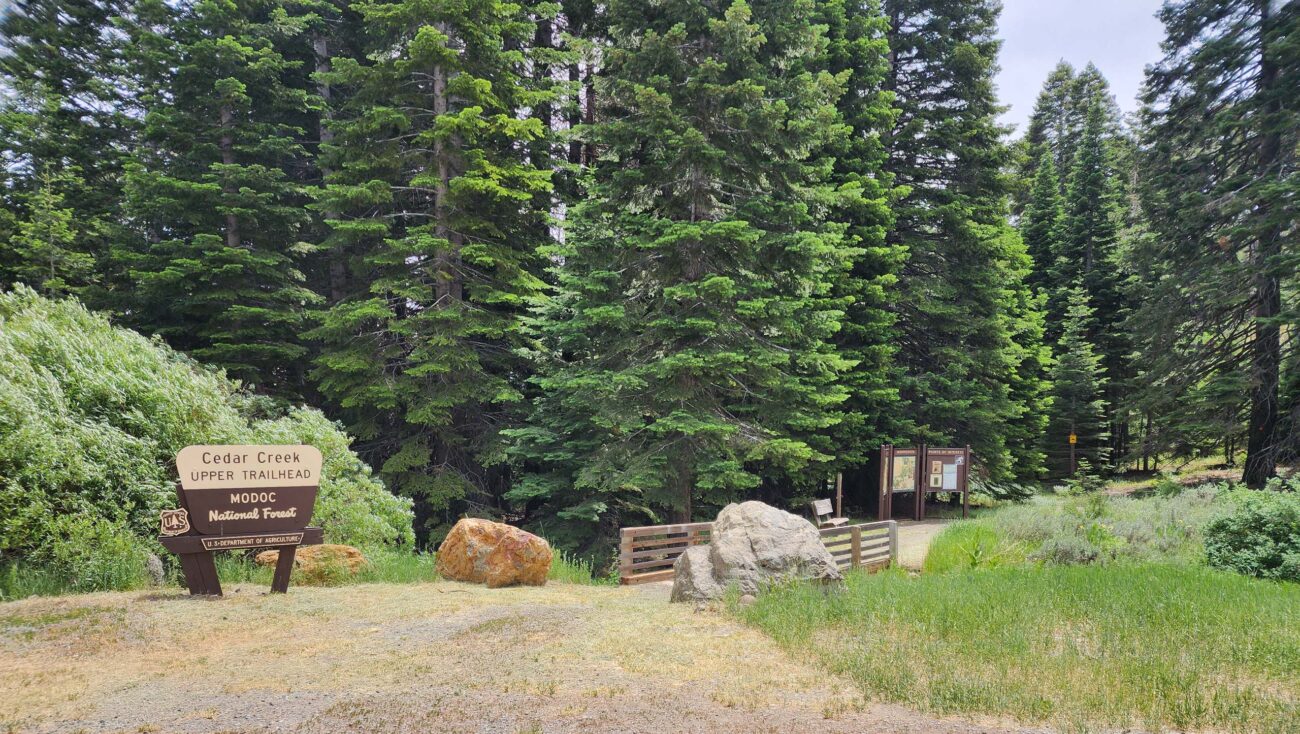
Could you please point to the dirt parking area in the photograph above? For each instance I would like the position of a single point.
(436, 657)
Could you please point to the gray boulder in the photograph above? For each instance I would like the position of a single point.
(752, 546)
(154, 566)
(693, 576)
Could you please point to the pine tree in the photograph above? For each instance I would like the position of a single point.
(1220, 129)
(220, 276)
(1090, 258)
(690, 327)
(858, 51)
(432, 201)
(957, 307)
(1042, 224)
(67, 116)
(1078, 405)
(43, 251)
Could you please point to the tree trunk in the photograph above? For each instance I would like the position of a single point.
(324, 136)
(233, 235)
(1266, 350)
(447, 285)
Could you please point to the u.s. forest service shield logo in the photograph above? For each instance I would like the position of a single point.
(175, 522)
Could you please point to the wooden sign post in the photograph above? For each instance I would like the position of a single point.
(239, 497)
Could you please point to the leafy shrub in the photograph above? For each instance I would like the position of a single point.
(1167, 486)
(93, 553)
(91, 418)
(1259, 537)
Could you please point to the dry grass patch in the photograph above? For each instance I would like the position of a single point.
(426, 657)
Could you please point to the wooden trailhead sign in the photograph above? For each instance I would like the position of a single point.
(241, 497)
(920, 472)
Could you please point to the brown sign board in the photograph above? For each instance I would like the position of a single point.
(923, 470)
(249, 489)
(242, 497)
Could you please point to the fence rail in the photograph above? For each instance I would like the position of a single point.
(648, 553)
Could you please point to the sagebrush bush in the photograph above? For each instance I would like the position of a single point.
(91, 418)
(1259, 537)
(1093, 527)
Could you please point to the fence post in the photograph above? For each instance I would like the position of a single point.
(893, 542)
(855, 558)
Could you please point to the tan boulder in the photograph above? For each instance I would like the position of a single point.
(319, 563)
(486, 552)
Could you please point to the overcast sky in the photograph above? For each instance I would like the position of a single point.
(1120, 36)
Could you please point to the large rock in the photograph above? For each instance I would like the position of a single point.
(486, 552)
(751, 547)
(320, 564)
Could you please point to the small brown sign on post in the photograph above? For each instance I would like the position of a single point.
(237, 497)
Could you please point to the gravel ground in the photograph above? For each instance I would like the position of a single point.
(436, 657)
(914, 538)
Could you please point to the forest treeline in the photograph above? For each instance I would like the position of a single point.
(599, 264)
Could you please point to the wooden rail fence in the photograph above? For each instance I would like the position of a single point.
(648, 553)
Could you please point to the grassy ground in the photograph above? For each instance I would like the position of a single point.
(1082, 648)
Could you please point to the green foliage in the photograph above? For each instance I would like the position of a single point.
(967, 545)
(91, 417)
(92, 553)
(1219, 185)
(1002, 491)
(1083, 528)
(857, 50)
(44, 247)
(570, 569)
(435, 214)
(1079, 648)
(1078, 403)
(212, 187)
(67, 121)
(687, 350)
(1259, 537)
(969, 329)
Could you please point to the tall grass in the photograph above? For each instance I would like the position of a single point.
(571, 569)
(1082, 648)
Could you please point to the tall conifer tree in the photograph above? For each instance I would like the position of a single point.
(1078, 404)
(963, 336)
(1042, 224)
(690, 328)
(431, 196)
(210, 187)
(67, 118)
(857, 50)
(1220, 186)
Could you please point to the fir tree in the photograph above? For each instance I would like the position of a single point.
(957, 307)
(44, 250)
(691, 324)
(431, 199)
(220, 275)
(1220, 129)
(857, 50)
(1042, 224)
(1089, 257)
(1078, 405)
(67, 117)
